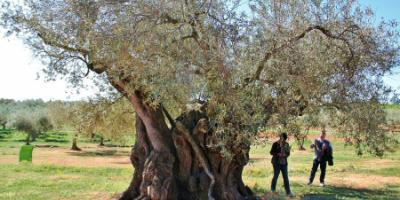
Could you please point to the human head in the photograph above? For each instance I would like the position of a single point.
(323, 134)
(283, 137)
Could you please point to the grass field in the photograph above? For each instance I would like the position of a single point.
(393, 112)
(104, 172)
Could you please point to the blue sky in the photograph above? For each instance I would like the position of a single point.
(388, 10)
(18, 69)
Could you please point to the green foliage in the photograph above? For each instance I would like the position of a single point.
(393, 115)
(109, 119)
(32, 127)
(27, 126)
(281, 60)
(43, 124)
(391, 106)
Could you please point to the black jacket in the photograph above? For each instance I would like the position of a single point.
(276, 149)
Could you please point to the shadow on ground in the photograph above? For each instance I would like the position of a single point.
(332, 192)
(102, 153)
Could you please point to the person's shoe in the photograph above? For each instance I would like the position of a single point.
(291, 195)
(322, 184)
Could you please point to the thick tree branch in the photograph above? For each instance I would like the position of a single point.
(52, 43)
(134, 97)
(200, 155)
(96, 67)
(289, 42)
(169, 117)
(153, 119)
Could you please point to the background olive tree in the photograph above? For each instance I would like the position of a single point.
(3, 121)
(107, 119)
(27, 126)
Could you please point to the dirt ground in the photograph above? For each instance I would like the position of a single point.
(88, 157)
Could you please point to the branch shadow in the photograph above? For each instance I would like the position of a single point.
(56, 140)
(102, 153)
(333, 192)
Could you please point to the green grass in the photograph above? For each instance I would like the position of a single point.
(391, 106)
(393, 115)
(29, 181)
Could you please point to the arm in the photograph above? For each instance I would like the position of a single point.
(273, 151)
(287, 150)
(314, 145)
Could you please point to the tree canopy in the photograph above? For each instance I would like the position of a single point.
(248, 60)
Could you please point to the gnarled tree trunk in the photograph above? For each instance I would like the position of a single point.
(180, 162)
(192, 169)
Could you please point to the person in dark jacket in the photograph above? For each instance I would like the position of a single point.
(280, 151)
(322, 155)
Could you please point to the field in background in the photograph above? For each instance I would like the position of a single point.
(393, 112)
(104, 172)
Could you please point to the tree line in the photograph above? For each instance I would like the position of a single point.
(101, 118)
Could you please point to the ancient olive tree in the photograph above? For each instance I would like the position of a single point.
(243, 62)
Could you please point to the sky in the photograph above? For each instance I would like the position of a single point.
(19, 69)
(19, 76)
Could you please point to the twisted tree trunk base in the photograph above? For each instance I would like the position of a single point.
(185, 173)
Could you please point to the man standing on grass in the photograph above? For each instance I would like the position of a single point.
(322, 155)
(280, 151)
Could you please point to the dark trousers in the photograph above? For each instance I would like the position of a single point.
(322, 165)
(277, 169)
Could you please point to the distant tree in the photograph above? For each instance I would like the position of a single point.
(59, 114)
(67, 115)
(6, 101)
(111, 119)
(3, 121)
(6, 106)
(75, 119)
(27, 126)
(43, 124)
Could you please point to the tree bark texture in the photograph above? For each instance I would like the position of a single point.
(191, 169)
(180, 162)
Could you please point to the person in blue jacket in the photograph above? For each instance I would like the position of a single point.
(322, 155)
